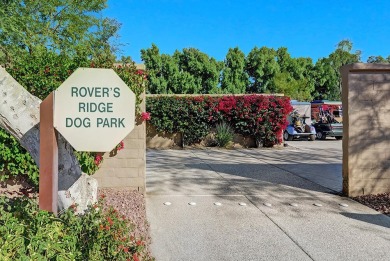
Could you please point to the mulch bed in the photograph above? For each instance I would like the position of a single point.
(379, 202)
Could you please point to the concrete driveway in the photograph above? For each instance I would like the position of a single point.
(258, 204)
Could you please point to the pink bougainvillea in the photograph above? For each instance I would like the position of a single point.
(120, 146)
(145, 116)
(98, 160)
(259, 116)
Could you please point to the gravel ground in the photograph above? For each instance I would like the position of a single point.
(131, 204)
(379, 202)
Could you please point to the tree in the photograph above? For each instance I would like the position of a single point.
(295, 89)
(153, 62)
(261, 66)
(205, 70)
(378, 59)
(187, 72)
(234, 77)
(327, 74)
(40, 44)
(165, 75)
(295, 77)
(74, 28)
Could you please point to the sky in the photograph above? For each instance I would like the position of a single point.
(308, 28)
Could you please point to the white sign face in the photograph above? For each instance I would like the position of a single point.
(94, 109)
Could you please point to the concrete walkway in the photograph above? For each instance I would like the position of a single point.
(278, 219)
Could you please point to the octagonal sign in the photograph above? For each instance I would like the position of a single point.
(94, 109)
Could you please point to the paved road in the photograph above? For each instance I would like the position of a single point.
(277, 218)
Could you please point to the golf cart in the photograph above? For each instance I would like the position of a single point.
(300, 122)
(327, 117)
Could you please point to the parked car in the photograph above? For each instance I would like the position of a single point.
(300, 122)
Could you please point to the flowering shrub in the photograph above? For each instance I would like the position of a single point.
(98, 159)
(27, 233)
(145, 116)
(120, 146)
(134, 78)
(259, 116)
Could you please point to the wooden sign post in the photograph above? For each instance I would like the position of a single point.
(48, 160)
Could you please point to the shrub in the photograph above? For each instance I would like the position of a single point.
(259, 116)
(27, 233)
(224, 134)
(15, 160)
(175, 114)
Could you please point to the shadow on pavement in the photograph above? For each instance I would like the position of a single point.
(376, 219)
(308, 178)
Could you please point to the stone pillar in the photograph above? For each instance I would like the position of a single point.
(127, 167)
(366, 121)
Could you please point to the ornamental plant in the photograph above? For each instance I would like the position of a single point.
(262, 117)
(224, 134)
(184, 115)
(27, 233)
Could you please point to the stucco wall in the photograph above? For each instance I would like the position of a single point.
(366, 143)
(126, 168)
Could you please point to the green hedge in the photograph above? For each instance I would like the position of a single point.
(262, 117)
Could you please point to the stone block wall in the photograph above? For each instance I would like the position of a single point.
(127, 167)
(366, 121)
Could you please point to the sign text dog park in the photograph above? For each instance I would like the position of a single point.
(94, 109)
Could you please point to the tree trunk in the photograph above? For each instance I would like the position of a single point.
(19, 116)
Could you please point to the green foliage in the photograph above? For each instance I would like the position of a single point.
(295, 89)
(261, 66)
(135, 79)
(187, 72)
(174, 114)
(263, 70)
(15, 159)
(74, 28)
(87, 162)
(44, 71)
(234, 77)
(327, 74)
(27, 233)
(224, 134)
(205, 70)
(262, 117)
(295, 78)
(378, 59)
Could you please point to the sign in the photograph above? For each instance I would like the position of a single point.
(94, 109)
